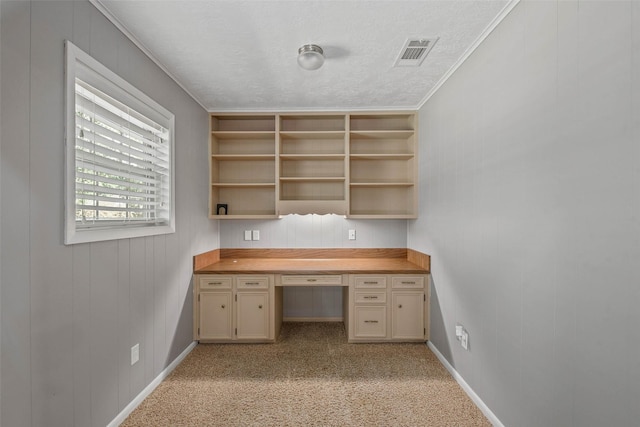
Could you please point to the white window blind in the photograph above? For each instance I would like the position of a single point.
(122, 163)
(119, 156)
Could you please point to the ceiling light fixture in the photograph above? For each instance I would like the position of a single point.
(310, 57)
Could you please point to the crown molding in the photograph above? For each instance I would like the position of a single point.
(120, 26)
(496, 21)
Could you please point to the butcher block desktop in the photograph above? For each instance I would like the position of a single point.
(238, 292)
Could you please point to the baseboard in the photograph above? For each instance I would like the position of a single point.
(149, 389)
(466, 387)
(313, 319)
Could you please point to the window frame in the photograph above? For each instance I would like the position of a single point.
(77, 62)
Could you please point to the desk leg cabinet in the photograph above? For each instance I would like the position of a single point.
(388, 308)
(234, 308)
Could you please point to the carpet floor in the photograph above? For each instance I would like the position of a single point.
(309, 377)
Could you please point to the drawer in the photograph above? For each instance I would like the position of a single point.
(370, 282)
(312, 280)
(408, 282)
(370, 322)
(253, 282)
(215, 282)
(371, 297)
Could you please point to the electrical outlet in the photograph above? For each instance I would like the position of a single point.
(135, 354)
(256, 234)
(464, 340)
(352, 234)
(247, 234)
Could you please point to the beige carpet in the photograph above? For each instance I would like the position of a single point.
(309, 377)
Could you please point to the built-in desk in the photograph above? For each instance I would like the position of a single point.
(238, 293)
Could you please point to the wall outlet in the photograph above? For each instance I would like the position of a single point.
(256, 234)
(135, 354)
(352, 234)
(464, 340)
(247, 234)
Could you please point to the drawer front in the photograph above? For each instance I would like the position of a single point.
(364, 282)
(215, 282)
(370, 297)
(370, 322)
(408, 282)
(312, 280)
(253, 282)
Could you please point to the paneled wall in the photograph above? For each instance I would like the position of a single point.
(314, 231)
(70, 314)
(530, 210)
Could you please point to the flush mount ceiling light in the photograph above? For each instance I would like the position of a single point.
(310, 57)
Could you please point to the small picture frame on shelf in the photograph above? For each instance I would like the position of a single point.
(222, 209)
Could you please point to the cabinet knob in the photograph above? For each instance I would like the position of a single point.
(260, 306)
(222, 305)
(400, 306)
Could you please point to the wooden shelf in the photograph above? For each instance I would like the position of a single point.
(313, 178)
(237, 157)
(246, 135)
(362, 165)
(381, 156)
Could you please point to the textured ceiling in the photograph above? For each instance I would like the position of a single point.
(241, 55)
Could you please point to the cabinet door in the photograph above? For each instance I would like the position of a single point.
(215, 316)
(252, 315)
(407, 315)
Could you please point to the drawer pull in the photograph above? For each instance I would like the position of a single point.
(215, 283)
(409, 283)
(252, 283)
(370, 321)
(370, 297)
(312, 280)
(371, 283)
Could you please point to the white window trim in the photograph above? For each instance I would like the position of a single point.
(119, 89)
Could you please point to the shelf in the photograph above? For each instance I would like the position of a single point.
(382, 122)
(398, 156)
(312, 122)
(312, 179)
(381, 184)
(362, 165)
(244, 184)
(248, 135)
(312, 134)
(381, 134)
(243, 123)
(232, 157)
(312, 156)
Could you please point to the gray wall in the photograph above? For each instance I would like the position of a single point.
(530, 209)
(70, 314)
(314, 231)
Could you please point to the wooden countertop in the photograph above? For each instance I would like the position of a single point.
(312, 266)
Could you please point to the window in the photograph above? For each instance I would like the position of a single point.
(119, 156)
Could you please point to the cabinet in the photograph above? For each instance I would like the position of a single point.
(312, 160)
(243, 166)
(388, 308)
(234, 307)
(383, 172)
(360, 165)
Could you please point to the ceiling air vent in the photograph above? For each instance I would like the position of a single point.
(414, 51)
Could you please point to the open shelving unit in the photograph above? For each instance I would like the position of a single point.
(360, 165)
(243, 166)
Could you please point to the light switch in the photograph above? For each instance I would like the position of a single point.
(247, 234)
(256, 234)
